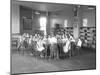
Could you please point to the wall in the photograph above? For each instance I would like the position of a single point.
(54, 17)
(30, 13)
(60, 16)
(15, 19)
(90, 16)
(24, 12)
(17, 26)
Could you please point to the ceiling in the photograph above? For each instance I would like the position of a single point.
(44, 6)
(50, 7)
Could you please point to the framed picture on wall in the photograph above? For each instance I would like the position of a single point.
(27, 24)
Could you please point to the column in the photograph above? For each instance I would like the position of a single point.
(77, 21)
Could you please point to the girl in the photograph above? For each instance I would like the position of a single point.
(78, 45)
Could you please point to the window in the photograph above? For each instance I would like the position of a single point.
(43, 22)
(85, 21)
(65, 23)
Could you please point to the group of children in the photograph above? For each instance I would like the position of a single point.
(49, 46)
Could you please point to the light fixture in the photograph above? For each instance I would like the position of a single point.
(37, 13)
(91, 7)
(78, 6)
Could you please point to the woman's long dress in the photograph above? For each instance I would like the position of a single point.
(40, 47)
(67, 46)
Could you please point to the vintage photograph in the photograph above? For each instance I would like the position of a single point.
(52, 37)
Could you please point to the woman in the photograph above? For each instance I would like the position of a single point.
(48, 46)
(53, 46)
(21, 43)
(72, 41)
(40, 47)
(45, 46)
(67, 45)
(60, 46)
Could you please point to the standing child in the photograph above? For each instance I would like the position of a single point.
(78, 45)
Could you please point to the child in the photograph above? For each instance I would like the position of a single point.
(78, 45)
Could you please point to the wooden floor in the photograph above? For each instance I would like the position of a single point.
(29, 64)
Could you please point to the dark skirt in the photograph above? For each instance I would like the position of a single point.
(73, 51)
(48, 49)
(60, 50)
